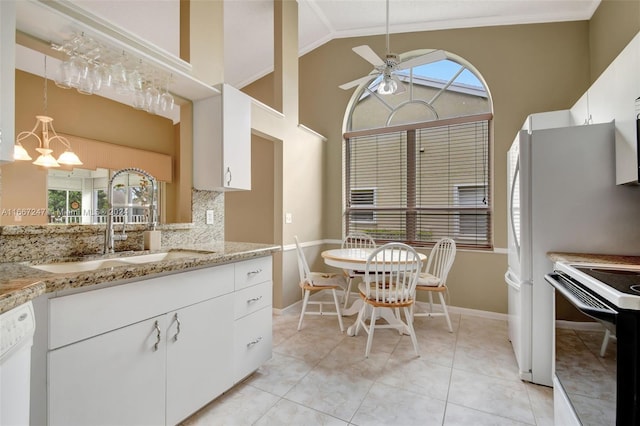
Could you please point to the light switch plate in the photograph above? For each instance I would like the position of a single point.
(209, 220)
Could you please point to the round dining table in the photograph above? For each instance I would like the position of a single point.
(355, 259)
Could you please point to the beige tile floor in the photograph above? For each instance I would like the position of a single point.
(319, 376)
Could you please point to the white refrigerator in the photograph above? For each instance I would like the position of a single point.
(562, 196)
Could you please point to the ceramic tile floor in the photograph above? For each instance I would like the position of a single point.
(319, 376)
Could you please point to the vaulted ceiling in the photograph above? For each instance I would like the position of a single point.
(249, 23)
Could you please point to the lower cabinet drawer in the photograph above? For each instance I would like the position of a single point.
(252, 342)
(251, 299)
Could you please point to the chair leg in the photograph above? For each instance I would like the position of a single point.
(338, 311)
(412, 332)
(304, 307)
(347, 292)
(372, 326)
(446, 312)
(605, 342)
(430, 302)
(397, 311)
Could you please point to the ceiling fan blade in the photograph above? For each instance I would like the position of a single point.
(427, 58)
(357, 82)
(369, 55)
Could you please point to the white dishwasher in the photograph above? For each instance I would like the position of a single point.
(16, 338)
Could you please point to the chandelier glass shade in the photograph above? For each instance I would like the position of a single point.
(387, 86)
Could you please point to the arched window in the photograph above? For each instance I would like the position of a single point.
(417, 161)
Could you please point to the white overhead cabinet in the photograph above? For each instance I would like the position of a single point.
(612, 97)
(7, 79)
(222, 141)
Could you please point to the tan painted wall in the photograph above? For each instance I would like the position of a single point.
(528, 69)
(611, 28)
(249, 215)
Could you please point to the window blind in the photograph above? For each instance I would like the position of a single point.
(421, 183)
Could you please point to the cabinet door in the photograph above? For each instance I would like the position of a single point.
(117, 378)
(222, 141)
(7, 79)
(199, 355)
(236, 125)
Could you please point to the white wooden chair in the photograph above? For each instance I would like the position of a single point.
(389, 284)
(312, 282)
(434, 277)
(355, 240)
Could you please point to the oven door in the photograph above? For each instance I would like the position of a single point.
(587, 381)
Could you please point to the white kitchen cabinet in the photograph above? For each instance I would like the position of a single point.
(7, 79)
(222, 141)
(612, 97)
(253, 319)
(124, 368)
(154, 351)
(198, 356)
(114, 378)
(252, 342)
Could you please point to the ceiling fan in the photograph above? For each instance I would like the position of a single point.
(386, 67)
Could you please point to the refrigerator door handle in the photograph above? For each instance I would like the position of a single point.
(516, 237)
(511, 282)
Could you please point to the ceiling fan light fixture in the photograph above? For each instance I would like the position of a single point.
(387, 86)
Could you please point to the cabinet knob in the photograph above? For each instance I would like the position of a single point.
(254, 299)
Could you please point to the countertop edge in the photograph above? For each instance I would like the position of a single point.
(570, 257)
(21, 283)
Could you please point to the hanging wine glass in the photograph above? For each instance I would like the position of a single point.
(166, 99)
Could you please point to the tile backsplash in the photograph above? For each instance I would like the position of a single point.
(23, 243)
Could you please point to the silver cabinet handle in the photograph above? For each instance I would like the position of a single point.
(228, 173)
(254, 342)
(175, 338)
(158, 337)
(254, 299)
(256, 272)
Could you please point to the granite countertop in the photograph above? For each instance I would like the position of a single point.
(20, 283)
(593, 258)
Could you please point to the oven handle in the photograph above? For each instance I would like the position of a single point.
(581, 299)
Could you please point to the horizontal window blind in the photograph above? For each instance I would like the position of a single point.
(420, 184)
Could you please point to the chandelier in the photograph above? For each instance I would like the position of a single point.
(46, 159)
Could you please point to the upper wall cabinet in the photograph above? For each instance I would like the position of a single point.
(612, 97)
(222, 141)
(7, 79)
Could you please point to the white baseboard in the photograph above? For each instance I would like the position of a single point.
(452, 310)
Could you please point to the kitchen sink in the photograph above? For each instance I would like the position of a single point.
(129, 259)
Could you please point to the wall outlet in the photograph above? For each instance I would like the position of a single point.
(288, 218)
(209, 220)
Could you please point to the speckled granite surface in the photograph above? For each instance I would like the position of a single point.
(593, 258)
(20, 283)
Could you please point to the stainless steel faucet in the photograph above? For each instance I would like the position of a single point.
(109, 236)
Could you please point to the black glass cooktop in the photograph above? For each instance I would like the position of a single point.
(624, 280)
